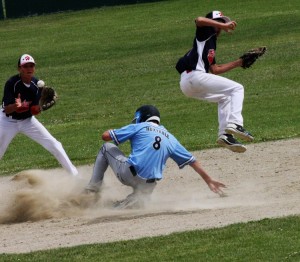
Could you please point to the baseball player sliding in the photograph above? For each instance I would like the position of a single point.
(20, 103)
(197, 82)
(151, 146)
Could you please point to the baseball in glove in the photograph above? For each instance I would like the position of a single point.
(251, 56)
(48, 98)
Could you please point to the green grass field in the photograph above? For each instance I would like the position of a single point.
(267, 240)
(104, 63)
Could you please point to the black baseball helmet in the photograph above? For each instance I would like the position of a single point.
(146, 113)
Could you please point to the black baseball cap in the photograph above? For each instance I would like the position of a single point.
(218, 15)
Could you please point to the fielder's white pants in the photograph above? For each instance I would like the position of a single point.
(32, 128)
(213, 88)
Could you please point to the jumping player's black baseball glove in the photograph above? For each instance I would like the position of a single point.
(251, 56)
(48, 98)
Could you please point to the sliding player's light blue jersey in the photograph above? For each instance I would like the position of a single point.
(151, 146)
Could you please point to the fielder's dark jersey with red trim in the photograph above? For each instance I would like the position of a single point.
(202, 55)
(13, 87)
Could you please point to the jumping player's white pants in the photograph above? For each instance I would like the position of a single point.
(213, 88)
(32, 128)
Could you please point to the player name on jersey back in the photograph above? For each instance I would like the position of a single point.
(153, 129)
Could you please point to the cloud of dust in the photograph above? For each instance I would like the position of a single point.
(42, 194)
(35, 195)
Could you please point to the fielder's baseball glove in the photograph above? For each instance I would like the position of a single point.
(48, 98)
(251, 56)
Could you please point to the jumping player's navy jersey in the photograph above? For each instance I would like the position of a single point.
(151, 146)
(202, 55)
(13, 87)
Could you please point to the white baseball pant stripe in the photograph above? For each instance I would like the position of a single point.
(32, 128)
(213, 88)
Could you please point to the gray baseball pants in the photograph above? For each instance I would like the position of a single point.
(111, 155)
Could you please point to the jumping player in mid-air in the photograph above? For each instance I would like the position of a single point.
(151, 146)
(199, 79)
(20, 103)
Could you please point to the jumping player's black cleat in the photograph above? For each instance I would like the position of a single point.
(228, 141)
(239, 131)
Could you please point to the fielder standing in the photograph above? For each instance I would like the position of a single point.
(197, 82)
(151, 146)
(20, 103)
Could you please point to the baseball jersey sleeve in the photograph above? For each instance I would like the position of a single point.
(181, 156)
(123, 134)
(8, 97)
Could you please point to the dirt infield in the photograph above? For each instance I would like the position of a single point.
(42, 209)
